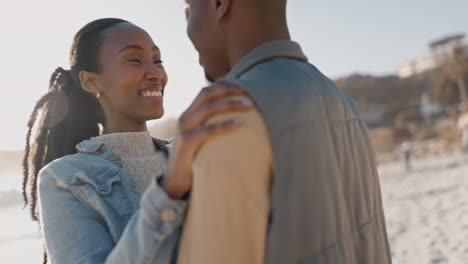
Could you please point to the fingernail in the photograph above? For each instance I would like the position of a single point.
(247, 102)
(236, 121)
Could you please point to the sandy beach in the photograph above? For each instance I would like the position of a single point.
(426, 212)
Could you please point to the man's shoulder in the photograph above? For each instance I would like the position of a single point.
(299, 77)
(288, 87)
(282, 68)
(247, 143)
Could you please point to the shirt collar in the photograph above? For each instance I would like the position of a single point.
(267, 51)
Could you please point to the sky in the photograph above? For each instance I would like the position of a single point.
(339, 37)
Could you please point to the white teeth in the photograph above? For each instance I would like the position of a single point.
(152, 93)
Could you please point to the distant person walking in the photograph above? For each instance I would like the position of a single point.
(464, 139)
(406, 151)
(462, 124)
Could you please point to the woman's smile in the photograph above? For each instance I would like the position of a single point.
(153, 93)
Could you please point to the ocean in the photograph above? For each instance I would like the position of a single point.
(19, 237)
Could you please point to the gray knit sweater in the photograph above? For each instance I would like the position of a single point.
(139, 155)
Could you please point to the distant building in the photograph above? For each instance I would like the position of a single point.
(418, 65)
(439, 50)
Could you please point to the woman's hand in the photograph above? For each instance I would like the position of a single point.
(193, 132)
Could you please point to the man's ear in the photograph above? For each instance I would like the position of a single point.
(88, 82)
(222, 8)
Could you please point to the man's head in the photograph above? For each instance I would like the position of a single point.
(223, 31)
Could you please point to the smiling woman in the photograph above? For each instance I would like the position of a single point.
(102, 194)
(128, 86)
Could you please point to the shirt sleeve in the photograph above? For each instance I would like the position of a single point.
(74, 233)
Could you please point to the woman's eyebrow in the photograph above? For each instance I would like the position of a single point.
(137, 47)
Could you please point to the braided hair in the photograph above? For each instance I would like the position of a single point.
(67, 113)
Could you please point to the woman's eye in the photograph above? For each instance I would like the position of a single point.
(158, 61)
(135, 60)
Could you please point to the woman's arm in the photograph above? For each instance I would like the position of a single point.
(74, 233)
(153, 232)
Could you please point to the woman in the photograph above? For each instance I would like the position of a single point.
(108, 201)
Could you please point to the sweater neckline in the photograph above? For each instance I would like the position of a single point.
(129, 144)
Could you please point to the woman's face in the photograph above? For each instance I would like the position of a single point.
(132, 78)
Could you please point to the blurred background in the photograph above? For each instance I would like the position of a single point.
(405, 63)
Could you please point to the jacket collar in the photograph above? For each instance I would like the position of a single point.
(265, 52)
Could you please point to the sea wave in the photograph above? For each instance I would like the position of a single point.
(10, 198)
(11, 180)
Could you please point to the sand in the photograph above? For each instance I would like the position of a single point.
(426, 212)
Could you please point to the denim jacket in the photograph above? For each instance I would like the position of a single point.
(90, 211)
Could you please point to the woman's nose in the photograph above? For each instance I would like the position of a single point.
(154, 72)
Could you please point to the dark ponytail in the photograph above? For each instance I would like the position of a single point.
(68, 114)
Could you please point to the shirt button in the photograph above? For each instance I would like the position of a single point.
(168, 215)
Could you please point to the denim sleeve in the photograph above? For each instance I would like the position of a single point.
(74, 233)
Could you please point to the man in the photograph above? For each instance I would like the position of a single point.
(297, 183)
